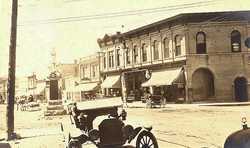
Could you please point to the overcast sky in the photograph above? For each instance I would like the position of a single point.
(38, 33)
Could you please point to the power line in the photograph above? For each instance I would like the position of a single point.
(130, 11)
(118, 14)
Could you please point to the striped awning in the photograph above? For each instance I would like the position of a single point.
(165, 77)
(112, 82)
(86, 87)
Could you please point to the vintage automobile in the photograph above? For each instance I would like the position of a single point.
(112, 131)
(154, 100)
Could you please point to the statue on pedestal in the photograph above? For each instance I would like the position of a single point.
(54, 106)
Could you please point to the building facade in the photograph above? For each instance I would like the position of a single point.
(195, 56)
(89, 76)
(3, 88)
(66, 72)
(84, 83)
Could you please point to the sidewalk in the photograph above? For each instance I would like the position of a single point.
(139, 104)
(36, 138)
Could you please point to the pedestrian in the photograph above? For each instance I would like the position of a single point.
(1, 99)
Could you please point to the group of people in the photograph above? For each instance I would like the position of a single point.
(23, 101)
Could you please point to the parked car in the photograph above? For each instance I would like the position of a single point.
(155, 100)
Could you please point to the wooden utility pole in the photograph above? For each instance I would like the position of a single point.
(11, 73)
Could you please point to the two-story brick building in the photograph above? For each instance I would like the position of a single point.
(87, 80)
(196, 56)
(89, 71)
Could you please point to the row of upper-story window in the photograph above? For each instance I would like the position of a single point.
(88, 71)
(136, 55)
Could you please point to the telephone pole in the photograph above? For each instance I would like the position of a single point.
(11, 73)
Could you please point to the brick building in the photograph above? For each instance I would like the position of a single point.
(86, 81)
(195, 56)
(89, 76)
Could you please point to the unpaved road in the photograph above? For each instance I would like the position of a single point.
(175, 126)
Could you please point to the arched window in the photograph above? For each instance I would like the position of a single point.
(155, 50)
(166, 47)
(177, 45)
(201, 43)
(144, 52)
(236, 41)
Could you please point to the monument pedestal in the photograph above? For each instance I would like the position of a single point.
(55, 105)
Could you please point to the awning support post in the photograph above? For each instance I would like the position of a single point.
(186, 84)
(124, 95)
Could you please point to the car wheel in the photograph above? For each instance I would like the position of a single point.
(146, 140)
(73, 143)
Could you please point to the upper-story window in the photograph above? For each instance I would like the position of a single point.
(177, 45)
(118, 57)
(93, 71)
(104, 60)
(201, 43)
(111, 59)
(166, 47)
(83, 71)
(144, 52)
(128, 56)
(155, 49)
(136, 54)
(236, 41)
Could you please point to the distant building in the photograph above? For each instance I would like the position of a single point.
(89, 71)
(21, 87)
(40, 91)
(86, 83)
(32, 84)
(194, 56)
(24, 87)
(67, 71)
(3, 88)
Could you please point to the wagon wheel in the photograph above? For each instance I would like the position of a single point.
(146, 140)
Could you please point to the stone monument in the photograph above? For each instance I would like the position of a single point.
(54, 106)
(54, 102)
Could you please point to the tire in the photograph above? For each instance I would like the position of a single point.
(146, 140)
(74, 144)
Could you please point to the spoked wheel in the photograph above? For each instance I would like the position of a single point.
(146, 140)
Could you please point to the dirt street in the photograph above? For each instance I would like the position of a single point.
(175, 126)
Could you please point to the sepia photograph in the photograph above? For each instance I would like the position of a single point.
(124, 74)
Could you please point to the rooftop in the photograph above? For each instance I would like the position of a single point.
(184, 18)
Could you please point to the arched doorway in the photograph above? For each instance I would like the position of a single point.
(240, 89)
(202, 84)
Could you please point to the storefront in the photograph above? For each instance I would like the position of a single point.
(87, 90)
(132, 81)
(170, 83)
(83, 91)
(111, 86)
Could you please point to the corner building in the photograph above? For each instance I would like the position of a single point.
(192, 56)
